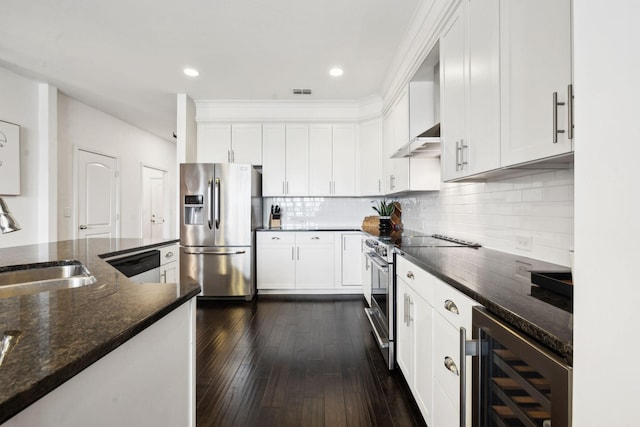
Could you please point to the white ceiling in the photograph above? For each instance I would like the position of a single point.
(126, 57)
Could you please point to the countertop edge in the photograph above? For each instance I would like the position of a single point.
(549, 340)
(23, 399)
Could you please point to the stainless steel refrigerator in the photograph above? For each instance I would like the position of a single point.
(220, 208)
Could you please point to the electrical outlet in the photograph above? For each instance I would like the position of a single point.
(523, 243)
(523, 269)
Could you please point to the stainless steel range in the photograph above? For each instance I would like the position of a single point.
(380, 254)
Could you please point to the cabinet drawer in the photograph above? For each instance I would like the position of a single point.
(312, 238)
(453, 305)
(418, 279)
(168, 254)
(275, 238)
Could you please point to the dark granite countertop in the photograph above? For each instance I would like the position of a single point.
(65, 331)
(500, 282)
(303, 228)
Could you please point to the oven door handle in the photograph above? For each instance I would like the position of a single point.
(381, 342)
(378, 262)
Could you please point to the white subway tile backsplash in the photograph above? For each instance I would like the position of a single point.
(493, 213)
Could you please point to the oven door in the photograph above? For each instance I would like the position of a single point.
(381, 312)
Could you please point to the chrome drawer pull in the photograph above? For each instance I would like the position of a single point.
(168, 254)
(451, 306)
(451, 365)
(410, 275)
(275, 238)
(315, 238)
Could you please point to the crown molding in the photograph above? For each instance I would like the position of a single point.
(211, 111)
(421, 36)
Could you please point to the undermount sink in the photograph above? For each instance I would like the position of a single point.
(34, 278)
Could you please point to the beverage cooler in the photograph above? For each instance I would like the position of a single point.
(517, 382)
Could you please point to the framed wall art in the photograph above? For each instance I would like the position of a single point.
(9, 159)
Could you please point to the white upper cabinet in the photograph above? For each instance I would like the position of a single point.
(229, 143)
(332, 160)
(344, 160)
(214, 143)
(320, 160)
(483, 152)
(285, 158)
(535, 64)
(246, 143)
(453, 73)
(370, 158)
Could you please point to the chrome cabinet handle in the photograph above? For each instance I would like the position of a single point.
(283, 192)
(451, 365)
(228, 156)
(275, 238)
(83, 227)
(164, 277)
(451, 306)
(556, 131)
(410, 275)
(293, 258)
(458, 149)
(233, 156)
(410, 318)
(379, 186)
(287, 187)
(168, 255)
(298, 257)
(570, 111)
(463, 146)
(406, 309)
(315, 238)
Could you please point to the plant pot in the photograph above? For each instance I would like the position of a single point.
(385, 224)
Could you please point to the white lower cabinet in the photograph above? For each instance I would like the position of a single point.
(414, 325)
(308, 261)
(348, 257)
(169, 265)
(314, 260)
(430, 315)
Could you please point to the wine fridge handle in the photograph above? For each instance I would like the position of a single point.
(467, 348)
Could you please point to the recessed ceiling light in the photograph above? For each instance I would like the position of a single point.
(191, 72)
(336, 72)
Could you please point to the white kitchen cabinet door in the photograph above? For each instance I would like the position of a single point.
(370, 158)
(446, 349)
(399, 177)
(387, 148)
(423, 369)
(213, 143)
(275, 260)
(344, 160)
(535, 62)
(246, 143)
(445, 413)
(454, 91)
(320, 160)
(297, 160)
(405, 340)
(274, 160)
(315, 256)
(351, 256)
(483, 153)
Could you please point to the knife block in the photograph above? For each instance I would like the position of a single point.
(274, 221)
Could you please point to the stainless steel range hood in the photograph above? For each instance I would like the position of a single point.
(425, 145)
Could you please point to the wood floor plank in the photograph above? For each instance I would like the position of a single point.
(294, 361)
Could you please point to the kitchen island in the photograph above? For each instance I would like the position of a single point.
(101, 354)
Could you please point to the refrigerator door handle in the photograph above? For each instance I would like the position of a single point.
(217, 203)
(209, 208)
(215, 253)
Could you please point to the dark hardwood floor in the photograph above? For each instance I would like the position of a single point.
(294, 361)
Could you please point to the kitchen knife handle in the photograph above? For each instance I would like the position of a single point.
(217, 200)
(210, 209)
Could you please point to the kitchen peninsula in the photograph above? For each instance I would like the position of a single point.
(100, 354)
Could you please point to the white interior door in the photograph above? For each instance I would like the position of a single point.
(97, 195)
(154, 209)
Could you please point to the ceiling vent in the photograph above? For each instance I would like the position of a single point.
(302, 91)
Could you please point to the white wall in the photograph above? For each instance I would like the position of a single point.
(607, 199)
(19, 104)
(497, 212)
(89, 128)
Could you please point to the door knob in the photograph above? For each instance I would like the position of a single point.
(83, 227)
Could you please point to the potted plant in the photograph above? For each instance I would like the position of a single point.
(385, 210)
